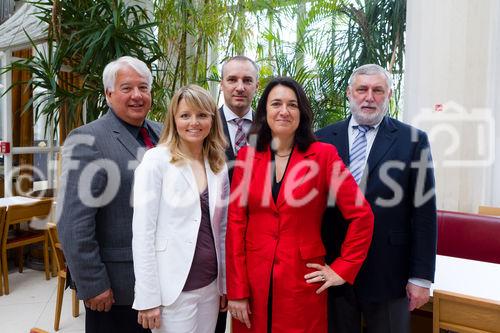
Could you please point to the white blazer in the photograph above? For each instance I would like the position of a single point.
(167, 216)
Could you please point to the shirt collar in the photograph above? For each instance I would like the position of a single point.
(230, 115)
(134, 130)
(353, 122)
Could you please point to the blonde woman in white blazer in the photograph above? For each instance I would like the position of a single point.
(181, 189)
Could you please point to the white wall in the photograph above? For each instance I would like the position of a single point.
(452, 55)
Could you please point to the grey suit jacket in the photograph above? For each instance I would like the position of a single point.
(229, 149)
(94, 210)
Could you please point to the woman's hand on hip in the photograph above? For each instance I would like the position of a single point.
(149, 318)
(240, 310)
(323, 274)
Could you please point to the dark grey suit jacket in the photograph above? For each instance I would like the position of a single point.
(405, 232)
(94, 207)
(229, 149)
(230, 157)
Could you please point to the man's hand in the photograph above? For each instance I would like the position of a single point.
(223, 303)
(240, 310)
(150, 318)
(101, 302)
(417, 296)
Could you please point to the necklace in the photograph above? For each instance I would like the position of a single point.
(285, 155)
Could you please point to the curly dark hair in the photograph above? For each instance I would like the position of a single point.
(304, 136)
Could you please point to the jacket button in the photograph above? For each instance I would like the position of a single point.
(276, 214)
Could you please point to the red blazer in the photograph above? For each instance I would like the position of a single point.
(266, 240)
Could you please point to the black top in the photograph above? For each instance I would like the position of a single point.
(276, 186)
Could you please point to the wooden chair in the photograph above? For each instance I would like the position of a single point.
(61, 276)
(464, 314)
(37, 330)
(16, 215)
(2, 221)
(489, 210)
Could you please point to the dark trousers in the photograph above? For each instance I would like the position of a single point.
(120, 319)
(345, 314)
(221, 322)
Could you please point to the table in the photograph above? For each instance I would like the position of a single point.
(16, 200)
(468, 277)
(469, 299)
(19, 200)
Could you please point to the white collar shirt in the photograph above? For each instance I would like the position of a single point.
(231, 125)
(370, 137)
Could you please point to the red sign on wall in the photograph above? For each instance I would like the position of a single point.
(4, 147)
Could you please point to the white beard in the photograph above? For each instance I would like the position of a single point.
(368, 118)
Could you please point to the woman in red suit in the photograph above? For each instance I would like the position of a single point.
(276, 272)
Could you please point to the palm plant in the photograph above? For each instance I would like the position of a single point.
(83, 37)
(333, 38)
(190, 38)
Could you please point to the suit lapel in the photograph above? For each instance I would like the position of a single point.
(187, 173)
(213, 193)
(229, 150)
(124, 137)
(262, 168)
(342, 140)
(386, 136)
(154, 127)
(296, 158)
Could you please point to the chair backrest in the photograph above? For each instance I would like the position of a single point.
(464, 314)
(56, 246)
(21, 213)
(37, 330)
(489, 210)
(2, 221)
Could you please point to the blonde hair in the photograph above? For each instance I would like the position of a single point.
(214, 144)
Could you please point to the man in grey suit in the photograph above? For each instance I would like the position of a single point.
(239, 84)
(94, 207)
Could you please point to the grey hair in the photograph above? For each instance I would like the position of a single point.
(371, 69)
(111, 71)
(240, 58)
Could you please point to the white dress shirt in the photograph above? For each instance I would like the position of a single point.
(232, 127)
(370, 137)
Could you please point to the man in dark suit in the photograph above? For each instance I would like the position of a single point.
(94, 207)
(392, 163)
(238, 85)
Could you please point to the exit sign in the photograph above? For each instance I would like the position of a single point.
(4, 147)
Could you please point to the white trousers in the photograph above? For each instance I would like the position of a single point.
(194, 311)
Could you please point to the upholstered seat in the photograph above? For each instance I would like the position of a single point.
(469, 236)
